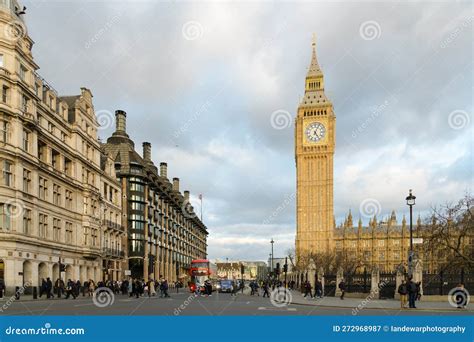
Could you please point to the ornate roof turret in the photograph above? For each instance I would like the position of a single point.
(314, 69)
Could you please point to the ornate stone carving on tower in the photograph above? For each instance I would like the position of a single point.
(314, 153)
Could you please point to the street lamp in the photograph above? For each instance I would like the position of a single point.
(271, 263)
(410, 202)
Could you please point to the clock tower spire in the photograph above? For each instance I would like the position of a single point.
(314, 157)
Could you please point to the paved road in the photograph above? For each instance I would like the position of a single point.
(186, 304)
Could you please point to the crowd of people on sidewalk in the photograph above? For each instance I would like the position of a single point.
(131, 287)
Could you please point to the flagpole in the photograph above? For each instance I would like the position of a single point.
(201, 207)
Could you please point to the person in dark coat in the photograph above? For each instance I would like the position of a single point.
(138, 288)
(319, 289)
(85, 288)
(307, 289)
(2, 288)
(342, 287)
(49, 288)
(265, 289)
(403, 292)
(412, 293)
(42, 287)
(418, 290)
(70, 289)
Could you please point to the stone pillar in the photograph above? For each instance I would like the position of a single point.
(399, 278)
(339, 278)
(374, 283)
(321, 279)
(418, 273)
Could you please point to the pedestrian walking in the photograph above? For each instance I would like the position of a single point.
(319, 289)
(265, 289)
(412, 293)
(42, 288)
(165, 289)
(418, 290)
(91, 287)
(70, 291)
(49, 288)
(342, 287)
(307, 289)
(403, 292)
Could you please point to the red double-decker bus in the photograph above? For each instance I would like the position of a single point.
(199, 271)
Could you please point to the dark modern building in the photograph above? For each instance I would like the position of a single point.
(164, 233)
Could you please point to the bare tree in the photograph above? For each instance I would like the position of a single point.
(449, 234)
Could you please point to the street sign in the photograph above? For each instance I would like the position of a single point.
(417, 241)
(127, 272)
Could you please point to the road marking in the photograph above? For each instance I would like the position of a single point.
(84, 304)
(247, 303)
(276, 309)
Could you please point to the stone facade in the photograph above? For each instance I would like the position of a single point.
(50, 197)
(253, 270)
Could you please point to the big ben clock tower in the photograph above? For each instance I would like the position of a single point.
(314, 155)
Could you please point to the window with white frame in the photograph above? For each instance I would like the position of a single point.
(43, 226)
(26, 180)
(7, 173)
(27, 227)
(56, 229)
(4, 131)
(5, 216)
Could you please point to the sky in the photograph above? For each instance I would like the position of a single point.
(214, 86)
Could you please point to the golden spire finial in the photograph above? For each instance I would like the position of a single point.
(314, 40)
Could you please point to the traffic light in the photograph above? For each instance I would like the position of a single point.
(62, 268)
(242, 269)
(277, 268)
(285, 268)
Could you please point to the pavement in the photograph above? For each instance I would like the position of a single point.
(184, 303)
(358, 304)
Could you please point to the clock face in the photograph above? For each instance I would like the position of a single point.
(315, 132)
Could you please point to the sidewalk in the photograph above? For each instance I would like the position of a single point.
(358, 304)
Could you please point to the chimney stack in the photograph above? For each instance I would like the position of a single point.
(176, 184)
(164, 170)
(120, 121)
(147, 151)
(186, 195)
